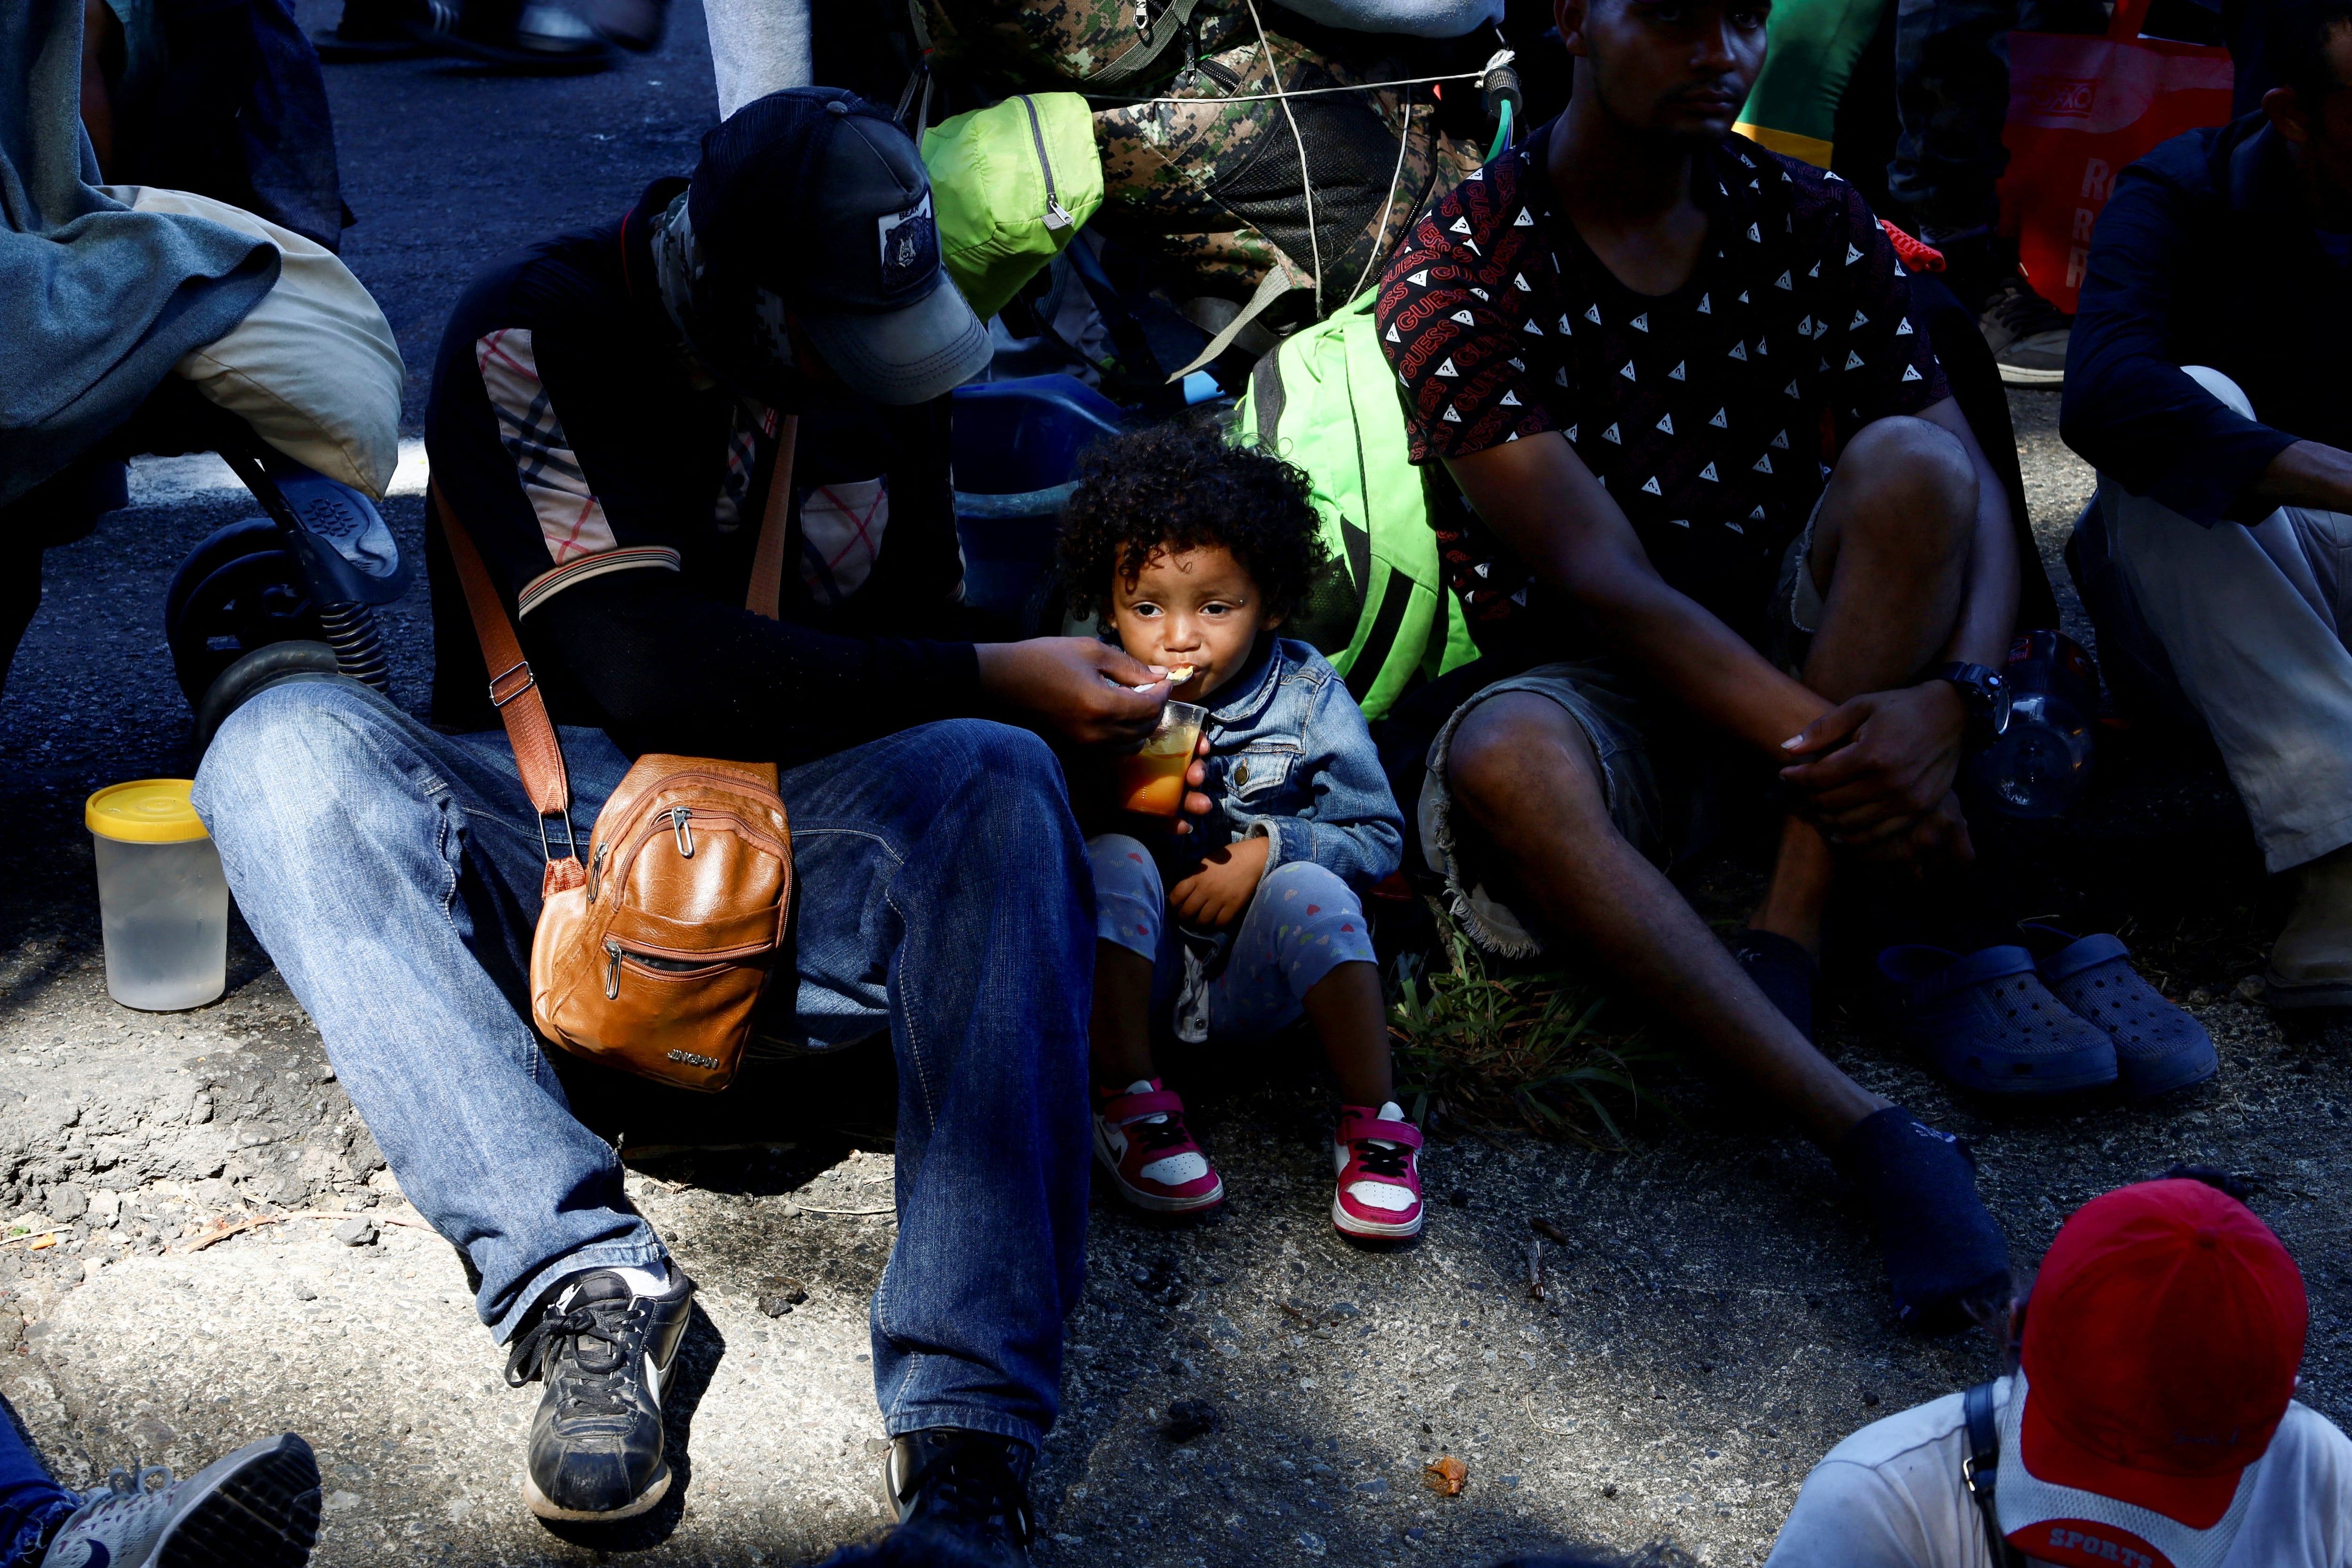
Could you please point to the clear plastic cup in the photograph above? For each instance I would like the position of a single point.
(162, 897)
(1152, 781)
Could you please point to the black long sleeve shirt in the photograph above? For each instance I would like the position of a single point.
(2206, 254)
(615, 493)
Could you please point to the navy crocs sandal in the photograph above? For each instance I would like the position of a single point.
(1989, 1024)
(2158, 1047)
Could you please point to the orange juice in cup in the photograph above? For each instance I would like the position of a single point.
(1152, 781)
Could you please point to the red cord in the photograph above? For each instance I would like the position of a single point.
(1916, 255)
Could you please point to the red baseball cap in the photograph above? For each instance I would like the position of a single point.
(2161, 1344)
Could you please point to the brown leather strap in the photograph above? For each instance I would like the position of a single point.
(539, 756)
(766, 596)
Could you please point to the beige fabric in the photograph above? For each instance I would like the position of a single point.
(313, 369)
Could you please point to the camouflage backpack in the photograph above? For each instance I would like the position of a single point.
(1214, 188)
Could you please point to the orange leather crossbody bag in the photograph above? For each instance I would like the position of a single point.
(652, 955)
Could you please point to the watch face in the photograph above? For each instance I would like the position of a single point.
(1998, 690)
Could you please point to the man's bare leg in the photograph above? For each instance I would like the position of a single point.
(1526, 776)
(1890, 548)
(1890, 555)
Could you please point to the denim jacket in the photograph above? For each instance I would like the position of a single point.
(1290, 758)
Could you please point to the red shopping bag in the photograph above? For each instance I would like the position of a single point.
(2080, 108)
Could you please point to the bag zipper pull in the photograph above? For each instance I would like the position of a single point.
(596, 868)
(612, 971)
(1057, 217)
(678, 819)
(1143, 20)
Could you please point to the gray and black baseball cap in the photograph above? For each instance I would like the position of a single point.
(812, 202)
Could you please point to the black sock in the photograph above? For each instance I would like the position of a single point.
(1962, 911)
(1782, 969)
(1945, 1258)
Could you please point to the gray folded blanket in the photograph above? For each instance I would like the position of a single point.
(97, 302)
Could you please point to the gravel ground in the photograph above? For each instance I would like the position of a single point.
(1715, 1320)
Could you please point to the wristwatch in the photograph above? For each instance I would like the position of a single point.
(1985, 695)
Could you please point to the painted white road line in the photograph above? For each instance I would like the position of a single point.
(167, 481)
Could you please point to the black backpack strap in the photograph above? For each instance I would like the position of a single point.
(1158, 25)
(1980, 1471)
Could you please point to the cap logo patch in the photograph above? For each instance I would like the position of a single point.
(909, 245)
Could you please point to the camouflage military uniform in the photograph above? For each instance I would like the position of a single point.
(1214, 188)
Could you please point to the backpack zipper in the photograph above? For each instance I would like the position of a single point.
(615, 952)
(1057, 217)
(758, 836)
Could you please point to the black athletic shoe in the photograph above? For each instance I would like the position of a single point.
(2027, 334)
(384, 30)
(524, 38)
(965, 1490)
(596, 1442)
(633, 25)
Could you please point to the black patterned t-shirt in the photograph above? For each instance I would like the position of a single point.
(1710, 414)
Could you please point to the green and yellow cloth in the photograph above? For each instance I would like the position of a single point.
(1815, 46)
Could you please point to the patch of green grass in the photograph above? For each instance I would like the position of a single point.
(1477, 1047)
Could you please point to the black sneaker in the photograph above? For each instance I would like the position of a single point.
(603, 1351)
(524, 38)
(965, 1488)
(384, 30)
(633, 25)
(2027, 334)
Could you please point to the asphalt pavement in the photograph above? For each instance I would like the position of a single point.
(1715, 1320)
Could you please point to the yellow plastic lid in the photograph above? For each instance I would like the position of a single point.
(144, 811)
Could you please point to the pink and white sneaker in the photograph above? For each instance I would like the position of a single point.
(1140, 1138)
(1377, 1153)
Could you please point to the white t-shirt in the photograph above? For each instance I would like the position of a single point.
(1891, 1496)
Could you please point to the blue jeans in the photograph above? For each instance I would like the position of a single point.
(393, 873)
(31, 1504)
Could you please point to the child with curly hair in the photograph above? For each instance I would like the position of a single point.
(1192, 552)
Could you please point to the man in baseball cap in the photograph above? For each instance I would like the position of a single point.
(809, 220)
(2151, 1422)
(618, 416)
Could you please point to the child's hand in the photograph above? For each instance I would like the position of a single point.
(1196, 777)
(1220, 890)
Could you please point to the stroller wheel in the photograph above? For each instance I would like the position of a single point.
(238, 592)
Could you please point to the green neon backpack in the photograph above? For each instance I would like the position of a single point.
(1011, 185)
(1327, 401)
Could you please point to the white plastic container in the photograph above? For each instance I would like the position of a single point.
(162, 897)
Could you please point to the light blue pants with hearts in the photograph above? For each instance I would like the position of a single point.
(1301, 924)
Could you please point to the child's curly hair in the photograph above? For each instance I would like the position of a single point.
(1180, 486)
